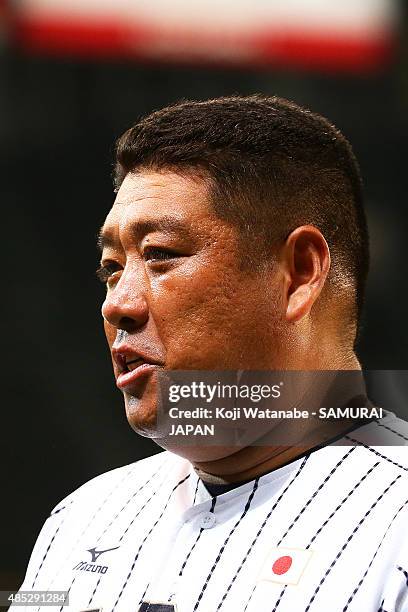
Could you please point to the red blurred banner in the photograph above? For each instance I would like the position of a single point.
(348, 35)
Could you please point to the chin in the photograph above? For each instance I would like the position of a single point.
(197, 453)
(141, 416)
(141, 413)
(141, 405)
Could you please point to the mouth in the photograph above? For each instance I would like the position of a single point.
(132, 371)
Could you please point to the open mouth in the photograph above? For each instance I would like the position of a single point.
(133, 373)
(133, 364)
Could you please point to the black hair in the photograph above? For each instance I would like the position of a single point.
(271, 166)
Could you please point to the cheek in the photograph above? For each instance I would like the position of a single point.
(186, 304)
(210, 321)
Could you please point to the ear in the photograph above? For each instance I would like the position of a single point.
(306, 260)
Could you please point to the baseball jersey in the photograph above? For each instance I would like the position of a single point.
(327, 532)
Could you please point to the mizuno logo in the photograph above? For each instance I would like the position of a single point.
(97, 553)
(85, 566)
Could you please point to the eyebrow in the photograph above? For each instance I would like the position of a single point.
(168, 224)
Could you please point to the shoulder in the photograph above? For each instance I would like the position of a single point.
(96, 503)
(116, 481)
(385, 438)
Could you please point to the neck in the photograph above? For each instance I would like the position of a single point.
(260, 460)
(253, 461)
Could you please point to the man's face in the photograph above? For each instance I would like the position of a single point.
(178, 296)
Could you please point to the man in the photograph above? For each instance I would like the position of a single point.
(237, 242)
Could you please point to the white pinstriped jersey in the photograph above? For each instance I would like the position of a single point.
(327, 533)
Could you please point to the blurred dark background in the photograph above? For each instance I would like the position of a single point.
(63, 103)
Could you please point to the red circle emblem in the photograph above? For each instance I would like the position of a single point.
(282, 565)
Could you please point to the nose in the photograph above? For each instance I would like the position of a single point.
(125, 306)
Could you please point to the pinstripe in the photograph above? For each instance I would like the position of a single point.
(127, 528)
(145, 538)
(347, 542)
(372, 450)
(316, 492)
(50, 543)
(404, 572)
(362, 479)
(397, 433)
(211, 572)
(196, 489)
(59, 509)
(60, 534)
(128, 502)
(214, 501)
(89, 523)
(324, 524)
(354, 593)
(99, 579)
(145, 591)
(248, 552)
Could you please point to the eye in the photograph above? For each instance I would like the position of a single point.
(159, 254)
(105, 271)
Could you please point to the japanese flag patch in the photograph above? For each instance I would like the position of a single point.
(285, 565)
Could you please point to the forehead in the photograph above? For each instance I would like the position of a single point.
(148, 196)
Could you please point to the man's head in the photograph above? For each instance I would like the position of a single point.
(217, 249)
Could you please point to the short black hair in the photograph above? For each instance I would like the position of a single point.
(272, 166)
